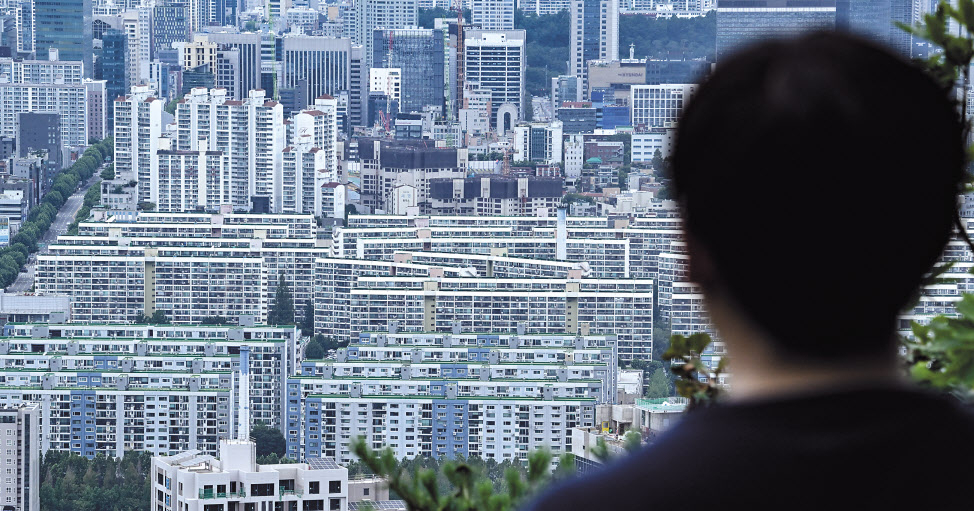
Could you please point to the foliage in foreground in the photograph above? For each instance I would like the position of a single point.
(70, 482)
(460, 486)
(941, 354)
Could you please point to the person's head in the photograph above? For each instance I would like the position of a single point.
(818, 180)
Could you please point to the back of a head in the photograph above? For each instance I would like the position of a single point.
(820, 176)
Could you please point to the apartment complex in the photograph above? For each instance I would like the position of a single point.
(109, 389)
(190, 266)
(498, 395)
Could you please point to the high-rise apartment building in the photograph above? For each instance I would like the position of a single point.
(64, 25)
(138, 125)
(44, 86)
(492, 14)
(20, 428)
(156, 388)
(418, 54)
(740, 22)
(237, 259)
(497, 394)
(594, 36)
(250, 132)
(496, 61)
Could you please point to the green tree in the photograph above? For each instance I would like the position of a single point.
(314, 351)
(308, 321)
(269, 440)
(108, 173)
(282, 313)
(659, 385)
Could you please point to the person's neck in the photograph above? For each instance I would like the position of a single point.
(770, 378)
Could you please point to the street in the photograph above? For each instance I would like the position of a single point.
(58, 228)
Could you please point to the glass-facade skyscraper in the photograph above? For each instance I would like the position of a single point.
(65, 25)
(418, 52)
(740, 22)
(113, 65)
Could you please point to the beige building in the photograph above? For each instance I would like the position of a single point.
(20, 483)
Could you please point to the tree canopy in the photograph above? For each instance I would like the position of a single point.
(282, 313)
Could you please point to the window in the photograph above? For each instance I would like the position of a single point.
(334, 487)
(314, 487)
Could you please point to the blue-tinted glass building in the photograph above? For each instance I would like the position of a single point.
(113, 66)
(418, 52)
(65, 25)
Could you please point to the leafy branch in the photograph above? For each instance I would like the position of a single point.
(696, 381)
(471, 490)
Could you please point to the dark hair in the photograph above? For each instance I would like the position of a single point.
(820, 177)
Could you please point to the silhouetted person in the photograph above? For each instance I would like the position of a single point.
(818, 179)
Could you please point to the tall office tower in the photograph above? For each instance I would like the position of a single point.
(492, 14)
(659, 106)
(114, 65)
(249, 46)
(169, 25)
(135, 25)
(64, 25)
(145, 47)
(595, 35)
(496, 60)
(388, 14)
(138, 124)
(740, 22)
(251, 132)
(228, 72)
(317, 65)
(418, 53)
(44, 85)
(358, 95)
(25, 25)
(97, 92)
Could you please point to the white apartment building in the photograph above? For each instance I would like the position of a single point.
(572, 306)
(611, 248)
(494, 395)
(190, 180)
(44, 86)
(252, 135)
(160, 388)
(495, 60)
(20, 434)
(492, 14)
(138, 125)
(659, 106)
(191, 266)
(193, 481)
